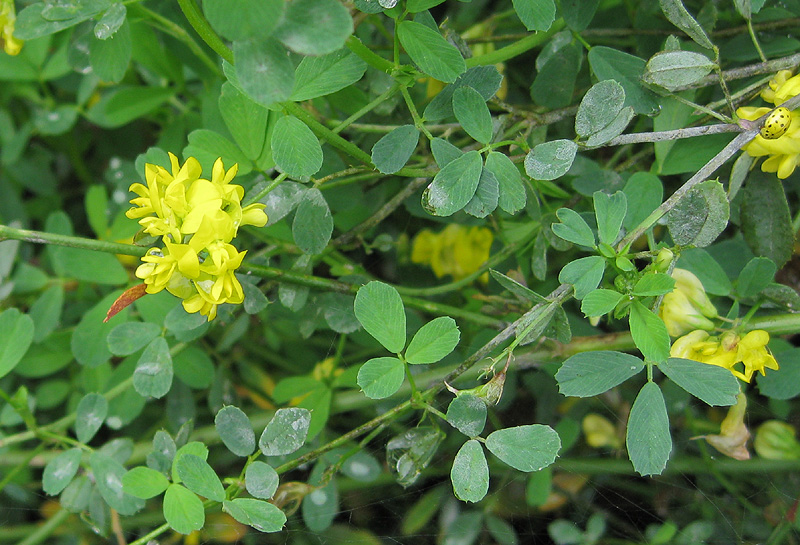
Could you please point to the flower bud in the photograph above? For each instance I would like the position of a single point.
(775, 440)
(600, 432)
(690, 285)
(680, 315)
(733, 435)
(663, 260)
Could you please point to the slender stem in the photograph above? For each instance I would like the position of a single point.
(702, 108)
(266, 190)
(151, 535)
(418, 123)
(675, 134)
(368, 108)
(754, 39)
(179, 33)
(204, 30)
(368, 56)
(40, 237)
(11, 475)
(517, 48)
(43, 532)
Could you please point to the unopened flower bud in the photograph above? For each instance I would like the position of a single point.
(775, 440)
(663, 260)
(690, 285)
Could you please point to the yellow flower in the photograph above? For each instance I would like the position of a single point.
(727, 351)
(458, 250)
(197, 219)
(600, 432)
(11, 45)
(783, 150)
(686, 307)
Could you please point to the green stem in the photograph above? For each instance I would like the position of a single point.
(368, 56)
(264, 192)
(11, 475)
(43, 532)
(204, 30)
(151, 535)
(517, 48)
(40, 237)
(754, 39)
(368, 108)
(412, 108)
(177, 32)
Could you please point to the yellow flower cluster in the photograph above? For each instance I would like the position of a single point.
(458, 250)
(781, 142)
(196, 219)
(687, 307)
(728, 350)
(11, 45)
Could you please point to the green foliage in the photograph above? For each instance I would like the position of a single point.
(648, 438)
(235, 430)
(285, 433)
(470, 472)
(467, 413)
(592, 373)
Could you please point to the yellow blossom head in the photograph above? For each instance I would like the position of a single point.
(458, 250)
(780, 137)
(728, 351)
(686, 307)
(197, 219)
(8, 17)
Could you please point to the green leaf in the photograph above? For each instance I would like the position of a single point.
(584, 273)
(379, 308)
(143, 482)
(235, 430)
(108, 474)
(263, 70)
(600, 302)
(649, 333)
(700, 216)
(648, 439)
(573, 228)
(755, 277)
(110, 57)
(484, 79)
(183, 510)
(261, 480)
(42, 19)
(195, 448)
(261, 515)
(610, 212)
(60, 471)
(484, 201)
(416, 6)
(577, 13)
(526, 448)
(129, 103)
(550, 160)
(392, 151)
(599, 107)
(591, 373)
(89, 416)
(199, 477)
(467, 414)
(516, 288)
(470, 472)
(245, 119)
(130, 337)
(613, 129)
(207, 146)
(249, 18)
(286, 432)
(295, 149)
(433, 341)
(110, 22)
(381, 377)
(194, 367)
(153, 374)
(471, 111)
(785, 382)
(320, 34)
(454, 186)
(765, 217)
(320, 76)
(75, 497)
(678, 16)
(313, 223)
(536, 14)
(554, 84)
(16, 335)
(434, 55)
(713, 384)
(627, 70)
(644, 193)
(674, 69)
(512, 197)
(654, 284)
